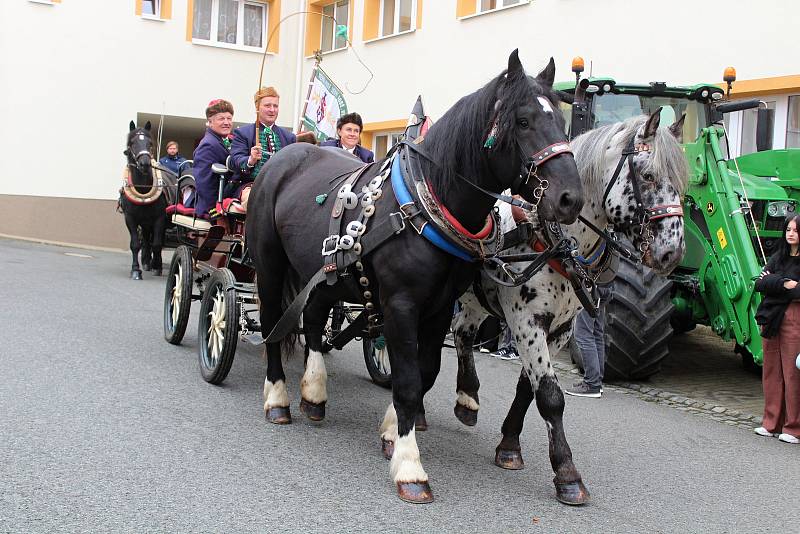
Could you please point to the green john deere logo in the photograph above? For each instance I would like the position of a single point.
(710, 207)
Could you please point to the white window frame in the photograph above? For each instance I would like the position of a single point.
(396, 23)
(388, 135)
(502, 6)
(156, 8)
(45, 2)
(780, 125)
(239, 28)
(333, 35)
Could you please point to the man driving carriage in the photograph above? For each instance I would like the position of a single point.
(252, 147)
(213, 148)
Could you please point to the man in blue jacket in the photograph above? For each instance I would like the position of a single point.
(348, 128)
(172, 160)
(251, 149)
(213, 148)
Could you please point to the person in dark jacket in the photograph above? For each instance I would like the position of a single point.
(348, 128)
(213, 148)
(779, 317)
(252, 147)
(173, 159)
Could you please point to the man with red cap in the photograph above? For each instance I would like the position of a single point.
(213, 148)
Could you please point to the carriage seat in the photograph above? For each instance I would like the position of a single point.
(190, 221)
(180, 209)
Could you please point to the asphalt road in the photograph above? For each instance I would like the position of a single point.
(106, 427)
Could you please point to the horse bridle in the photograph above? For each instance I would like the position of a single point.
(530, 167)
(642, 216)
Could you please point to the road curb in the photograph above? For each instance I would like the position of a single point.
(717, 412)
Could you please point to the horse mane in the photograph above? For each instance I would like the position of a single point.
(667, 156)
(455, 141)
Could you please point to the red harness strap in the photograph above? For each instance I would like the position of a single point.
(482, 234)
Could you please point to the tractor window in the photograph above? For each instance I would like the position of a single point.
(610, 108)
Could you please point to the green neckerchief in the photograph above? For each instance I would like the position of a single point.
(270, 143)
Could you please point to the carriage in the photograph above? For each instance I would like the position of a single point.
(211, 264)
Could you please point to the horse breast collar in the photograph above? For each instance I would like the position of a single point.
(134, 196)
(431, 219)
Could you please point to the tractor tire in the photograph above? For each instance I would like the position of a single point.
(638, 326)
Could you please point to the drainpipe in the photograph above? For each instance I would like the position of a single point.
(298, 76)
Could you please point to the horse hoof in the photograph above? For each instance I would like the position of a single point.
(572, 493)
(315, 412)
(465, 415)
(279, 415)
(136, 275)
(387, 448)
(509, 459)
(415, 492)
(420, 423)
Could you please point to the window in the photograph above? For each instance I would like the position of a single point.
(151, 8)
(793, 123)
(329, 40)
(488, 5)
(384, 141)
(397, 16)
(235, 23)
(749, 122)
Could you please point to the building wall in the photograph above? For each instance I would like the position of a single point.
(73, 74)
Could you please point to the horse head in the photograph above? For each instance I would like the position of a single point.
(643, 197)
(527, 148)
(140, 148)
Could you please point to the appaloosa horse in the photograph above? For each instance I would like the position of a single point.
(505, 135)
(632, 172)
(143, 203)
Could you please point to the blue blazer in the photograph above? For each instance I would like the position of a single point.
(210, 150)
(172, 162)
(360, 152)
(244, 138)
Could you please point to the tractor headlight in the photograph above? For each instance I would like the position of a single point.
(778, 209)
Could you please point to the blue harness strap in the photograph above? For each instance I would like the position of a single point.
(429, 231)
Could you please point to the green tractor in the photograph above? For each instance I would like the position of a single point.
(733, 212)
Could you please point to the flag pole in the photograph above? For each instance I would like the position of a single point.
(317, 61)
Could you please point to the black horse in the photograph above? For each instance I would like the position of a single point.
(143, 203)
(491, 138)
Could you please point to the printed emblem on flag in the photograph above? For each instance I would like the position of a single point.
(325, 105)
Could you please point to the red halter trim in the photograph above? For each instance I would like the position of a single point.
(551, 151)
(666, 210)
(538, 246)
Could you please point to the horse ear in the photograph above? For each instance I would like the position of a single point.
(132, 126)
(652, 123)
(676, 128)
(147, 126)
(514, 64)
(548, 74)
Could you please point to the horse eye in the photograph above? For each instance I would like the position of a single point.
(523, 123)
(648, 177)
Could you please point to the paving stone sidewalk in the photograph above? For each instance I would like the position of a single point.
(702, 375)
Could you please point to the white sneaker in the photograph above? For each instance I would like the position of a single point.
(761, 431)
(788, 438)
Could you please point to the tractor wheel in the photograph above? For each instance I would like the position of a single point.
(638, 326)
(218, 326)
(178, 295)
(376, 356)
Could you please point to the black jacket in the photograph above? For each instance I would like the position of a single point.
(776, 297)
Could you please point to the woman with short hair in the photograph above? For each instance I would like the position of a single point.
(348, 129)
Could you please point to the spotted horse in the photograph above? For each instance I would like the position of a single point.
(634, 175)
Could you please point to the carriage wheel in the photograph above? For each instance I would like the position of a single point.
(218, 326)
(178, 296)
(376, 356)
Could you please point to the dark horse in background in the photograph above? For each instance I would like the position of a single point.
(143, 203)
(489, 139)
